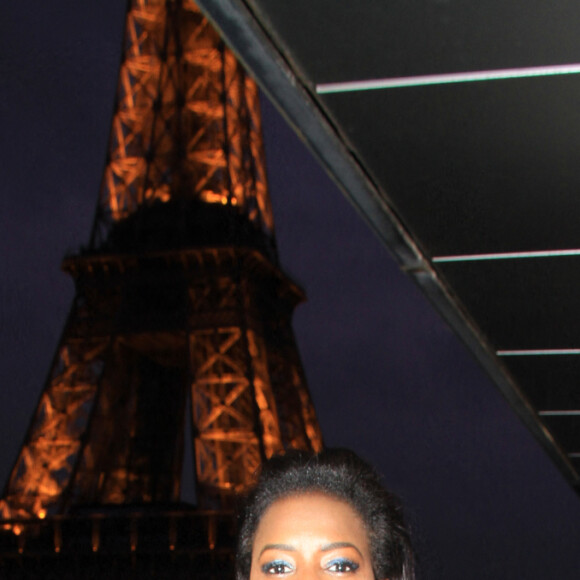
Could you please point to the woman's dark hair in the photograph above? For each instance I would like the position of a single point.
(339, 473)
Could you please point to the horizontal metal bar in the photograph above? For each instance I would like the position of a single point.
(506, 256)
(447, 78)
(539, 352)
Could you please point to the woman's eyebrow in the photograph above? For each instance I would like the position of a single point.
(335, 545)
(285, 547)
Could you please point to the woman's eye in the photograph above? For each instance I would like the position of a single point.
(342, 566)
(277, 568)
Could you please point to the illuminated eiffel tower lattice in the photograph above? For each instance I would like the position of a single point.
(178, 347)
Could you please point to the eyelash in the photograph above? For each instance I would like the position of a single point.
(342, 566)
(276, 568)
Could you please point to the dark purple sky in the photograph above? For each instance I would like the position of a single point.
(387, 376)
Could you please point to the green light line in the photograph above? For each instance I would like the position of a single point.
(539, 352)
(505, 256)
(448, 78)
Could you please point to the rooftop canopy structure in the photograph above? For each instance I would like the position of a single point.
(454, 129)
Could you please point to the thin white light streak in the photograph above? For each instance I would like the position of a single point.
(448, 78)
(506, 256)
(539, 352)
(574, 455)
(574, 413)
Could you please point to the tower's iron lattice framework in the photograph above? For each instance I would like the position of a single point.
(180, 308)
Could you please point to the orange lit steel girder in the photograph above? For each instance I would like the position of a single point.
(187, 121)
(180, 306)
(248, 396)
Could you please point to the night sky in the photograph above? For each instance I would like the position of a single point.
(387, 376)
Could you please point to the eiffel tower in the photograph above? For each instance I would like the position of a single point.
(178, 341)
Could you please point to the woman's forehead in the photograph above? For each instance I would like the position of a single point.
(309, 512)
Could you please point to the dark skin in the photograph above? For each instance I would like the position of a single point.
(311, 536)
